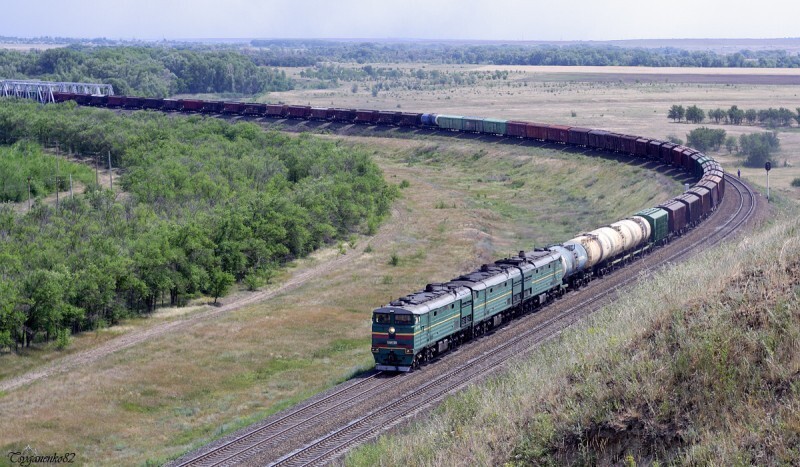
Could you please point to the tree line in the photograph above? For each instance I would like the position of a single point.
(770, 117)
(279, 52)
(207, 203)
(757, 148)
(147, 71)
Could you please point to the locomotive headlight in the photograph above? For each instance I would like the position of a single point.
(391, 330)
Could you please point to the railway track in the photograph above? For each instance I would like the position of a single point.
(324, 427)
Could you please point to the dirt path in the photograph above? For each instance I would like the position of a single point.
(138, 336)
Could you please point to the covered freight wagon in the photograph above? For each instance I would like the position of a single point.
(409, 119)
(495, 126)
(255, 109)
(659, 223)
(579, 136)
(518, 129)
(676, 212)
(694, 207)
(298, 111)
(558, 133)
(450, 122)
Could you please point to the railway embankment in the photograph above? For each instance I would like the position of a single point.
(699, 364)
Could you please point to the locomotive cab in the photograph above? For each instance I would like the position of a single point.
(393, 331)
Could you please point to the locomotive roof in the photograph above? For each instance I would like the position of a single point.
(434, 296)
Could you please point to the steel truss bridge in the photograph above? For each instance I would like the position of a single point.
(43, 90)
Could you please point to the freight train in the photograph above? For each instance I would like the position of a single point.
(417, 328)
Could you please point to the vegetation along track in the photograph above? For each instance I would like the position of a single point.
(126, 341)
(324, 427)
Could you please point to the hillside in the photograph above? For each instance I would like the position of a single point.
(697, 365)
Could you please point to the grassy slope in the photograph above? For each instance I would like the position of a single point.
(177, 392)
(698, 365)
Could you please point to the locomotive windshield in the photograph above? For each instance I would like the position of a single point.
(404, 319)
(383, 318)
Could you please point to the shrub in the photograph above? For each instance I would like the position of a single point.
(796, 182)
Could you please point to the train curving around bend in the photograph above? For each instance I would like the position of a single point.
(417, 328)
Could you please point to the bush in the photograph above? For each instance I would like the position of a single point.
(758, 147)
(705, 139)
(796, 182)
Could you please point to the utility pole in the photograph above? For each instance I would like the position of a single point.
(29, 193)
(96, 171)
(110, 176)
(71, 196)
(57, 187)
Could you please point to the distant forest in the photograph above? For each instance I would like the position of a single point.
(163, 70)
(148, 71)
(309, 52)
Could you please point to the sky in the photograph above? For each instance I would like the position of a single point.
(547, 20)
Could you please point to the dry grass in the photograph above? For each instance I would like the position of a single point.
(170, 394)
(551, 94)
(700, 365)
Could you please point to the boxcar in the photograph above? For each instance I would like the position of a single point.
(659, 223)
(366, 117)
(704, 193)
(628, 144)
(393, 118)
(83, 99)
(516, 129)
(676, 156)
(116, 101)
(344, 115)
(133, 102)
(579, 136)
(255, 109)
(495, 126)
(171, 105)
(536, 131)
(558, 133)
(654, 149)
(641, 147)
(233, 107)
(191, 105)
(275, 110)
(152, 103)
(298, 111)
(63, 96)
(614, 142)
(212, 107)
(473, 124)
(713, 187)
(686, 159)
(694, 207)
(450, 122)
(666, 153)
(409, 119)
(320, 113)
(676, 212)
(597, 139)
(97, 100)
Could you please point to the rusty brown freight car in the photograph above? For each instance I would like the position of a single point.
(676, 215)
(517, 129)
(579, 136)
(694, 207)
